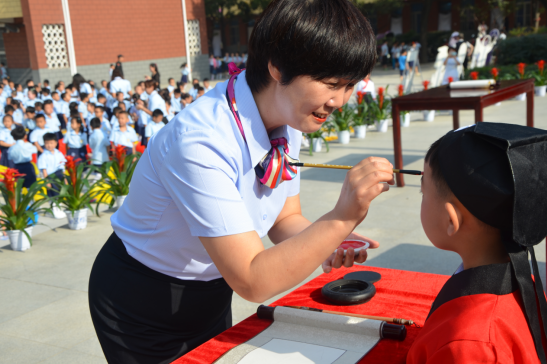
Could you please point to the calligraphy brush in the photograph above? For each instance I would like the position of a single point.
(300, 164)
(399, 321)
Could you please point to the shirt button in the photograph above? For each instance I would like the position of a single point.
(264, 217)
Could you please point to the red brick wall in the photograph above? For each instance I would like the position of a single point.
(102, 29)
(17, 54)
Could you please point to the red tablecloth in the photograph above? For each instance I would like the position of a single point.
(400, 294)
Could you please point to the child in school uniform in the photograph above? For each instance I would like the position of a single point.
(114, 120)
(6, 140)
(37, 135)
(155, 126)
(51, 161)
(170, 113)
(64, 107)
(176, 102)
(30, 114)
(76, 140)
(18, 114)
(82, 107)
(101, 100)
(99, 143)
(46, 94)
(105, 124)
(124, 135)
(172, 86)
(90, 115)
(21, 155)
(39, 107)
(52, 122)
(31, 98)
(142, 121)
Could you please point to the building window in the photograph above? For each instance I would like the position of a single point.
(234, 31)
(523, 15)
(416, 17)
(467, 16)
(55, 46)
(194, 37)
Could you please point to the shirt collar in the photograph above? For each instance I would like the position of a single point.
(257, 137)
(20, 142)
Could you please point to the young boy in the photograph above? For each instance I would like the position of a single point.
(124, 135)
(65, 109)
(51, 162)
(37, 135)
(46, 94)
(6, 140)
(484, 198)
(82, 107)
(186, 100)
(39, 107)
(403, 66)
(172, 86)
(206, 85)
(114, 121)
(99, 143)
(21, 154)
(105, 124)
(52, 122)
(155, 126)
(176, 102)
(30, 114)
(201, 92)
(18, 114)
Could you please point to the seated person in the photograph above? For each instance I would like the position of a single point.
(21, 155)
(155, 126)
(484, 198)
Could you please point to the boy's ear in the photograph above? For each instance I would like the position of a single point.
(454, 218)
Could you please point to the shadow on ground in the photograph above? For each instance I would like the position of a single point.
(330, 175)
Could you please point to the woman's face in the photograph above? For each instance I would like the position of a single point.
(305, 104)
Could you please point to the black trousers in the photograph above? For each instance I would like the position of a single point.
(143, 316)
(28, 170)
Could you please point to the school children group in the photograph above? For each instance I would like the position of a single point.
(88, 121)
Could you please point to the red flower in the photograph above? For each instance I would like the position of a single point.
(450, 79)
(340, 110)
(9, 178)
(380, 97)
(119, 152)
(494, 71)
(426, 83)
(474, 75)
(360, 96)
(541, 66)
(521, 67)
(401, 90)
(70, 165)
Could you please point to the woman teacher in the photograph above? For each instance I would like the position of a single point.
(216, 179)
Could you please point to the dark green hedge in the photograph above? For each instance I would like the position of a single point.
(528, 49)
(484, 72)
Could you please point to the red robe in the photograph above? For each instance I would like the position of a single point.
(468, 325)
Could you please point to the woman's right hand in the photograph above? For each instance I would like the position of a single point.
(361, 186)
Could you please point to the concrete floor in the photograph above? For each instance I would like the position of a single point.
(44, 315)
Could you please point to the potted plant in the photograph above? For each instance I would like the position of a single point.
(380, 110)
(316, 138)
(116, 177)
(429, 115)
(405, 115)
(495, 74)
(342, 119)
(20, 210)
(362, 117)
(75, 193)
(540, 79)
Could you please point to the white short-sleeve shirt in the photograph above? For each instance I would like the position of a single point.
(197, 178)
(118, 84)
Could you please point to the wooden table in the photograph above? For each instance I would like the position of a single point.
(443, 98)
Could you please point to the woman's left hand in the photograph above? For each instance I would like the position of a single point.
(337, 259)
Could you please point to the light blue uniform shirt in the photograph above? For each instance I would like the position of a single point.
(5, 135)
(125, 138)
(21, 152)
(37, 135)
(75, 140)
(118, 84)
(18, 116)
(98, 143)
(197, 178)
(82, 108)
(30, 124)
(51, 162)
(176, 104)
(53, 123)
(144, 118)
(155, 101)
(30, 102)
(106, 127)
(194, 93)
(152, 128)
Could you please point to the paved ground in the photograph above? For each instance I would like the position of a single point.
(43, 302)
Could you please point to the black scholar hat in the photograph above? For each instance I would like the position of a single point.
(499, 173)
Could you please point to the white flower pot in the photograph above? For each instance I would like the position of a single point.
(316, 144)
(497, 104)
(57, 213)
(77, 220)
(18, 240)
(381, 125)
(521, 97)
(405, 120)
(429, 115)
(120, 200)
(343, 137)
(540, 90)
(360, 131)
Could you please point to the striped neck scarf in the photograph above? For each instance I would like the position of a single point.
(274, 168)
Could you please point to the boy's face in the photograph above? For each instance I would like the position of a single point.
(48, 109)
(90, 108)
(103, 84)
(172, 82)
(56, 97)
(30, 115)
(119, 97)
(201, 93)
(158, 119)
(99, 113)
(122, 119)
(41, 123)
(188, 99)
(122, 106)
(50, 145)
(74, 125)
(206, 83)
(8, 122)
(31, 96)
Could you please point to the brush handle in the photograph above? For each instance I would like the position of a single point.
(334, 166)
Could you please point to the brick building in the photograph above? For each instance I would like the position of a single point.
(53, 39)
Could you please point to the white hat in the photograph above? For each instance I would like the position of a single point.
(455, 34)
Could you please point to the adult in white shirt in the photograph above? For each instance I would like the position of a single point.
(189, 231)
(155, 101)
(367, 86)
(118, 84)
(81, 86)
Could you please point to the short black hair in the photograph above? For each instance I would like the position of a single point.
(200, 89)
(50, 136)
(157, 112)
(36, 104)
(116, 110)
(205, 79)
(45, 91)
(99, 108)
(433, 159)
(317, 38)
(185, 96)
(83, 95)
(123, 112)
(48, 102)
(46, 81)
(30, 109)
(77, 119)
(8, 108)
(101, 96)
(18, 133)
(95, 123)
(176, 91)
(38, 116)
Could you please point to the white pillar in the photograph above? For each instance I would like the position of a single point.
(69, 39)
(185, 20)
